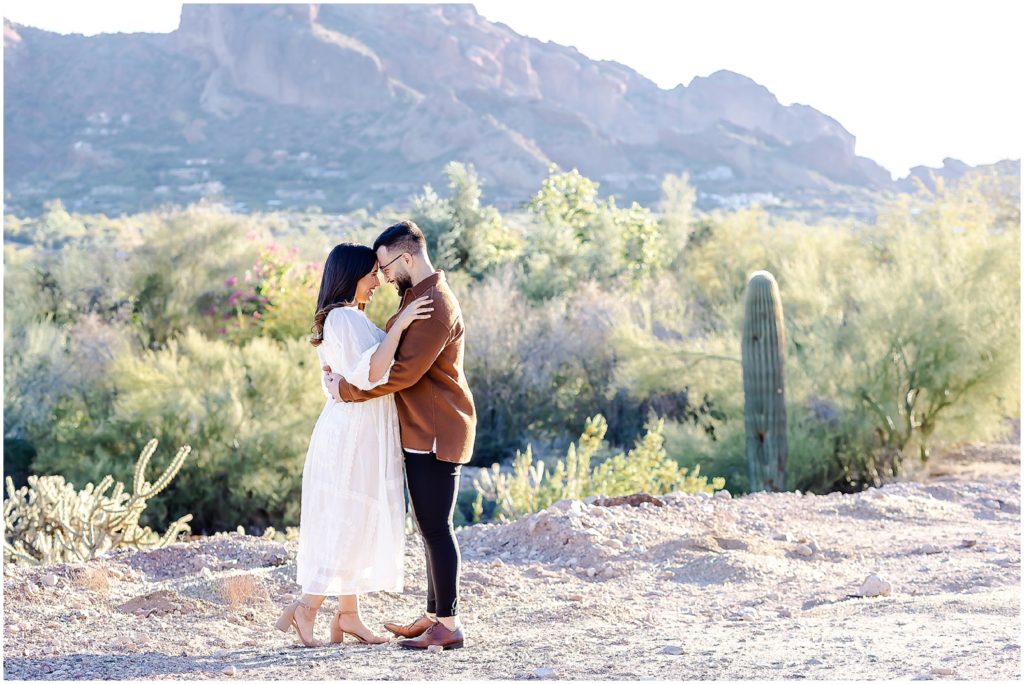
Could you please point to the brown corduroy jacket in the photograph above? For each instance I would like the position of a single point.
(427, 378)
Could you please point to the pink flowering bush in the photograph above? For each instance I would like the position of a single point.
(275, 298)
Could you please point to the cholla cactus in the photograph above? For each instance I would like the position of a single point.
(530, 488)
(290, 534)
(49, 522)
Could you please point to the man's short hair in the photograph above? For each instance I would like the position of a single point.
(404, 236)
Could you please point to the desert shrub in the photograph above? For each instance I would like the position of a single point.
(542, 380)
(247, 412)
(531, 487)
(901, 334)
(57, 389)
(463, 234)
(905, 334)
(274, 298)
(148, 271)
(576, 237)
(676, 217)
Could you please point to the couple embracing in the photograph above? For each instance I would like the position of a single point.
(395, 398)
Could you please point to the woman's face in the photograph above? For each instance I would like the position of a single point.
(366, 285)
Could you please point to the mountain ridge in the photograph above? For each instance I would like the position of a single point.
(343, 106)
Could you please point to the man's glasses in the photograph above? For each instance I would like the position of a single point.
(392, 261)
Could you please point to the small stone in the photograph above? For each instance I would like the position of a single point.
(930, 548)
(206, 573)
(703, 495)
(803, 550)
(812, 661)
(543, 672)
(785, 612)
(230, 671)
(497, 563)
(992, 503)
(723, 494)
(747, 613)
(591, 572)
(942, 670)
(14, 629)
(435, 648)
(673, 650)
(49, 580)
(576, 597)
(875, 586)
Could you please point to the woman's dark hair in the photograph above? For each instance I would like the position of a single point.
(345, 266)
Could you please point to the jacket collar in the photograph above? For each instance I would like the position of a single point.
(424, 285)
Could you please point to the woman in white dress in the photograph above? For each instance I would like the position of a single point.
(352, 524)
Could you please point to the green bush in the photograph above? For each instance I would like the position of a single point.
(907, 331)
(531, 487)
(247, 411)
(461, 233)
(576, 237)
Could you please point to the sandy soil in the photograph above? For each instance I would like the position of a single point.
(766, 586)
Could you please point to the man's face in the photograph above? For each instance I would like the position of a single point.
(394, 266)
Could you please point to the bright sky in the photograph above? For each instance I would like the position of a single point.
(913, 80)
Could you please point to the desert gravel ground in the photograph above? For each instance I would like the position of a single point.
(766, 586)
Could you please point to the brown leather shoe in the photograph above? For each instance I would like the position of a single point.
(436, 635)
(413, 629)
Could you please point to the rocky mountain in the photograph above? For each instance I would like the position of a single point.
(346, 106)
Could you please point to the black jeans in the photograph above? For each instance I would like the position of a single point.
(433, 489)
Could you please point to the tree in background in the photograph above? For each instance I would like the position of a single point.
(462, 234)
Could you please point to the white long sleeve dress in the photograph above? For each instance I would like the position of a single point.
(352, 525)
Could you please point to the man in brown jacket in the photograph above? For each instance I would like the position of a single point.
(437, 421)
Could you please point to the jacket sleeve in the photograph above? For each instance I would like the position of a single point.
(421, 344)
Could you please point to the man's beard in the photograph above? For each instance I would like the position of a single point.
(403, 282)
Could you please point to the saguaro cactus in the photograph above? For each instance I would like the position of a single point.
(764, 397)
